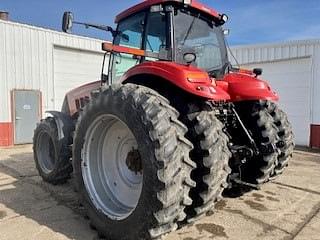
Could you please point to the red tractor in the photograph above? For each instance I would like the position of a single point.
(153, 145)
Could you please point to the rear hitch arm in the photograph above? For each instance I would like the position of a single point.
(252, 142)
(263, 148)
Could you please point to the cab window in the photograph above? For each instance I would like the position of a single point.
(156, 39)
(130, 35)
(130, 31)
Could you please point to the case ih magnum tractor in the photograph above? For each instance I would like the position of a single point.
(153, 145)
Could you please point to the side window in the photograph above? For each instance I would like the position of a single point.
(156, 39)
(131, 30)
(121, 63)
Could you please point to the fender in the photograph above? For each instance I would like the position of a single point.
(64, 124)
(188, 78)
(242, 87)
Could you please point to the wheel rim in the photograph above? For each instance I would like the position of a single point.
(111, 167)
(46, 153)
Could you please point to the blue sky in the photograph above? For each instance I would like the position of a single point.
(251, 21)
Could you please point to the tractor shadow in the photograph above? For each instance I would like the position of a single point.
(24, 197)
(236, 191)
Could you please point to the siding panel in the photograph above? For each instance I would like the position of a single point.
(26, 60)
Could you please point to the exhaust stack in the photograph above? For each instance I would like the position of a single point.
(4, 15)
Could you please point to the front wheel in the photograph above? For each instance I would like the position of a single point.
(131, 164)
(51, 154)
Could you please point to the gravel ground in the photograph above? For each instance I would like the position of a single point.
(288, 208)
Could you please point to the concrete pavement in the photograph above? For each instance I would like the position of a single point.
(288, 208)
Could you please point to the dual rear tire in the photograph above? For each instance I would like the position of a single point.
(131, 164)
(286, 136)
(269, 126)
(176, 183)
(211, 156)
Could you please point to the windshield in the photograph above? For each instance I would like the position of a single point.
(194, 34)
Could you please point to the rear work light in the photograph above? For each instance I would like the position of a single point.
(224, 18)
(188, 2)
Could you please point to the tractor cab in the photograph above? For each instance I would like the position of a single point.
(184, 32)
(179, 41)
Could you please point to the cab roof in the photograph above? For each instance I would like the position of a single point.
(148, 3)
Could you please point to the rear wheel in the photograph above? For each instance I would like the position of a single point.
(261, 125)
(132, 165)
(51, 155)
(286, 137)
(211, 154)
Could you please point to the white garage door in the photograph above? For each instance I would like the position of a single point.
(292, 81)
(73, 68)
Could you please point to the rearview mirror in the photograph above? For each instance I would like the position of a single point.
(189, 57)
(67, 22)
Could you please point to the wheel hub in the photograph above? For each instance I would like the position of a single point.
(134, 162)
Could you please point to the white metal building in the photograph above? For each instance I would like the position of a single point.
(293, 70)
(37, 67)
